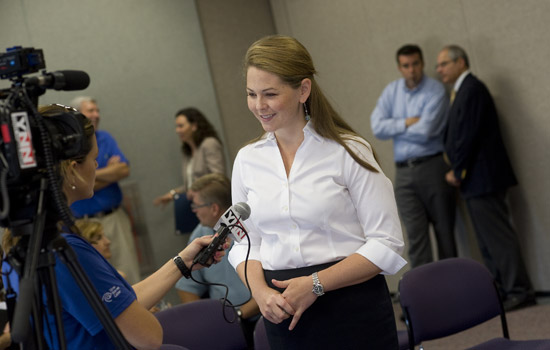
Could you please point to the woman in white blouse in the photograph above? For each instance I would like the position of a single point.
(324, 226)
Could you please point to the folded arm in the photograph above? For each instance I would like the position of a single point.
(115, 171)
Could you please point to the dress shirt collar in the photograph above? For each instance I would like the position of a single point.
(460, 79)
(308, 130)
(416, 88)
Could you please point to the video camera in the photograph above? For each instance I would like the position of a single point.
(31, 145)
(32, 202)
(19, 61)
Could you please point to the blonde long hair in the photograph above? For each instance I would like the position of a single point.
(287, 58)
(91, 230)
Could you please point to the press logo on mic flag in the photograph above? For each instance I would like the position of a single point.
(233, 218)
(229, 222)
(22, 133)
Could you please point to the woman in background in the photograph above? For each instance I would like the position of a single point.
(202, 151)
(324, 226)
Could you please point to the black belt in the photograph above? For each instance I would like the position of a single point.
(415, 161)
(287, 274)
(103, 213)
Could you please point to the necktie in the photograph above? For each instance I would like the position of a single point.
(453, 95)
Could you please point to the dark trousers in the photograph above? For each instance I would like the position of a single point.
(423, 197)
(356, 317)
(499, 243)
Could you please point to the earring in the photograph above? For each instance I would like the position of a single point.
(73, 187)
(308, 117)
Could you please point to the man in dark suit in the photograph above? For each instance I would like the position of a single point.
(481, 169)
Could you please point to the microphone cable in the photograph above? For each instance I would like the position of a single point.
(225, 302)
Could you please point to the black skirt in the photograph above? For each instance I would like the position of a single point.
(355, 317)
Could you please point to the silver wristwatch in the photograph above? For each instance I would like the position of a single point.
(317, 286)
(174, 194)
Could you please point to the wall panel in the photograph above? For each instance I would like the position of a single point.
(146, 60)
(353, 44)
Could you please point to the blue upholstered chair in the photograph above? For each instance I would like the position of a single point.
(202, 324)
(451, 295)
(172, 347)
(260, 336)
(403, 339)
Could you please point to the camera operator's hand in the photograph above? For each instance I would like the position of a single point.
(153, 288)
(189, 253)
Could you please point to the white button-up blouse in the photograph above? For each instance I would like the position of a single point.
(328, 208)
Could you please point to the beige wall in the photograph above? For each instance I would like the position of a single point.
(149, 58)
(228, 28)
(353, 43)
(146, 59)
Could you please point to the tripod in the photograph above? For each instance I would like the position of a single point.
(34, 257)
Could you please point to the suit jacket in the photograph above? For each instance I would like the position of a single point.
(474, 144)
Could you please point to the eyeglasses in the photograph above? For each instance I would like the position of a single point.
(197, 206)
(443, 64)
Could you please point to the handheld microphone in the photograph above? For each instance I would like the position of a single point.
(66, 80)
(230, 219)
(229, 223)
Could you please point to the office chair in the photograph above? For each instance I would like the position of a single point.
(201, 325)
(172, 347)
(260, 336)
(451, 295)
(403, 339)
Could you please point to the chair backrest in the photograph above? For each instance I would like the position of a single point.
(201, 325)
(448, 296)
(402, 340)
(260, 336)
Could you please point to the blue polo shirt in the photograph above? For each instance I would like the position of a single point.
(110, 196)
(83, 330)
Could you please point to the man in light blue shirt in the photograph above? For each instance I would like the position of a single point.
(412, 112)
(211, 197)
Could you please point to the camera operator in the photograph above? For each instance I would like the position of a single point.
(128, 305)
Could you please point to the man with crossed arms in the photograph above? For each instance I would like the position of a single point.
(411, 112)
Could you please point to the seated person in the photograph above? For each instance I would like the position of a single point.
(128, 305)
(5, 336)
(211, 197)
(92, 231)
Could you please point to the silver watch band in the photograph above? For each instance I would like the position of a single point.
(318, 288)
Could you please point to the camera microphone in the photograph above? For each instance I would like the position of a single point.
(229, 223)
(66, 80)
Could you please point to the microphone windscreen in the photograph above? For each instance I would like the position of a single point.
(242, 209)
(75, 80)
